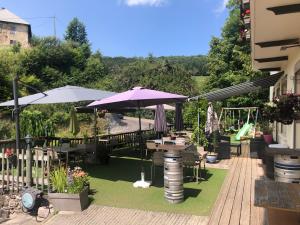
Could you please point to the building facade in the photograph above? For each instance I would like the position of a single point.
(13, 29)
(274, 32)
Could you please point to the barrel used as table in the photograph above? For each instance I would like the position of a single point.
(173, 177)
(287, 168)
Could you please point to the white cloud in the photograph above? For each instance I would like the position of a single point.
(222, 6)
(154, 3)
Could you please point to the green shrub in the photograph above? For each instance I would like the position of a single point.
(58, 178)
(6, 130)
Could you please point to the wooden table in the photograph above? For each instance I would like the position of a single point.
(282, 151)
(67, 151)
(281, 199)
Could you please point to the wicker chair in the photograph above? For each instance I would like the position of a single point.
(190, 160)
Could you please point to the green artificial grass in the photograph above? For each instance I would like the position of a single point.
(113, 186)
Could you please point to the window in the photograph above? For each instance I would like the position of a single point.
(1, 27)
(283, 129)
(13, 29)
(277, 91)
(12, 42)
(284, 86)
(297, 82)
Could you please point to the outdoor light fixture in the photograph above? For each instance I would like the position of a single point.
(28, 139)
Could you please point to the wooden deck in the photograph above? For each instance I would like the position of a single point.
(235, 203)
(98, 215)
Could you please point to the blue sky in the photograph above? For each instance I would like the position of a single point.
(130, 27)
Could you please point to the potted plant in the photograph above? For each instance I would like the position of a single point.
(212, 156)
(70, 189)
(267, 132)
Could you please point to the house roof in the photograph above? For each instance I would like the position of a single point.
(8, 16)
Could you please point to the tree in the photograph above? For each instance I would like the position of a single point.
(229, 61)
(76, 32)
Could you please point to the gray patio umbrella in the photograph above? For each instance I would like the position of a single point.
(178, 117)
(160, 122)
(64, 94)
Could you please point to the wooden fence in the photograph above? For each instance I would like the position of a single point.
(16, 174)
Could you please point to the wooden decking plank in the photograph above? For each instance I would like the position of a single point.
(226, 213)
(262, 212)
(172, 218)
(219, 204)
(238, 198)
(246, 203)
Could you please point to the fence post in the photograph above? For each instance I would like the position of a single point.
(28, 140)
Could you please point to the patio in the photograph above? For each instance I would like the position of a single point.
(234, 205)
(112, 185)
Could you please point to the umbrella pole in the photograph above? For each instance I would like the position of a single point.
(198, 133)
(17, 120)
(141, 140)
(95, 124)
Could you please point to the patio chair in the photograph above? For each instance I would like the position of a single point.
(157, 160)
(164, 139)
(169, 143)
(237, 146)
(191, 160)
(180, 141)
(151, 146)
(80, 155)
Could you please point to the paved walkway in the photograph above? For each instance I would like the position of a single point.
(102, 215)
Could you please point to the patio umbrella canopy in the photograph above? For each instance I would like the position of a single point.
(160, 122)
(74, 125)
(178, 117)
(64, 94)
(166, 107)
(211, 120)
(138, 97)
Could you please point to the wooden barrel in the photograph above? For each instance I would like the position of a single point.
(173, 177)
(287, 168)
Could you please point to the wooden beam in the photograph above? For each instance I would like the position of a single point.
(272, 59)
(277, 43)
(270, 69)
(285, 9)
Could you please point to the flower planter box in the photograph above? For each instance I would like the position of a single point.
(70, 202)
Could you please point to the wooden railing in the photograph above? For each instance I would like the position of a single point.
(13, 175)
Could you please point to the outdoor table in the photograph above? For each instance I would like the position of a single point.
(173, 147)
(160, 141)
(180, 133)
(281, 199)
(67, 151)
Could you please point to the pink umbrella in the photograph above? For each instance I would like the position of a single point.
(138, 97)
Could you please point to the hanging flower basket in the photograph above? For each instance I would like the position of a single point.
(284, 109)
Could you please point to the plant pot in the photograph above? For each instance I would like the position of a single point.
(268, 138)
(211, 158)
(70, 202)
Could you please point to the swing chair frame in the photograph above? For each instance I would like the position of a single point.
(232, 109)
